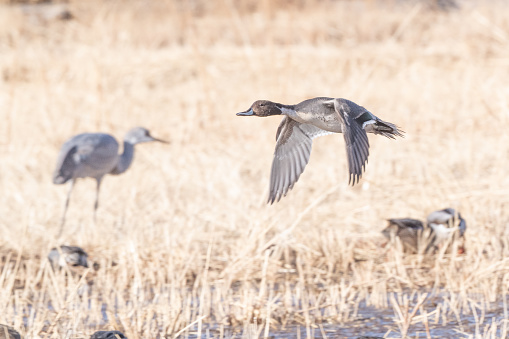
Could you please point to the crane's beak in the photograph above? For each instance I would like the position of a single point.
(160, 140)
(249, 112)
(151, 138)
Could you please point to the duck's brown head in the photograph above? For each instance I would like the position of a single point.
(262, 108)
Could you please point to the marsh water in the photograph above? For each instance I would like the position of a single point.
(476, 320)
(371, 323)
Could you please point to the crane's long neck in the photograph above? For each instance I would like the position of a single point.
(125, 159)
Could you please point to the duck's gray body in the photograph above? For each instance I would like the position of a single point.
(320, 112)
(312, 118)
(93, 155)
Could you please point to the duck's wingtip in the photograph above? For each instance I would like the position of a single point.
(354, 178)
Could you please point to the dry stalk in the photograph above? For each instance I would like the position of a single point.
(405, 318)
(183, 69)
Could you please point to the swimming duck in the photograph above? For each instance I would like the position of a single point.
(71, 255)
(7, 332)
(445, 219)
(446, 224)
(313, 118)
(108, 335)
(440, 227)
(407, 230)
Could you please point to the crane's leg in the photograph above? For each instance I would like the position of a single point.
(62, 223)
(96, 205)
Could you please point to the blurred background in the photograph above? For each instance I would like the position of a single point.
(182, 237)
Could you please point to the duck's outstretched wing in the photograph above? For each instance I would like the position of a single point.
(293, 148)
(356, 139)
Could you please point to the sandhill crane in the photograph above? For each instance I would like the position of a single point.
(94, 155)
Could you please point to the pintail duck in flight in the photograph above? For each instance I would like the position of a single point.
(440, 226)
(313, 118)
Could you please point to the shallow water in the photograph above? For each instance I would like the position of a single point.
(380, 323)
(368, 321)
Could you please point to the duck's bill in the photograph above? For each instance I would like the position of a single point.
(246, 113)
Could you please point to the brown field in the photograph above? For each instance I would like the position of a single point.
(186, 244)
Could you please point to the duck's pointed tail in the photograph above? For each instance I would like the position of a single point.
(387, 129)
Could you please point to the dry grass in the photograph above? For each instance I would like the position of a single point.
(186, 244)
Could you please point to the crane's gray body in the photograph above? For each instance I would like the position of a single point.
(93, 155)
(86, 155)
